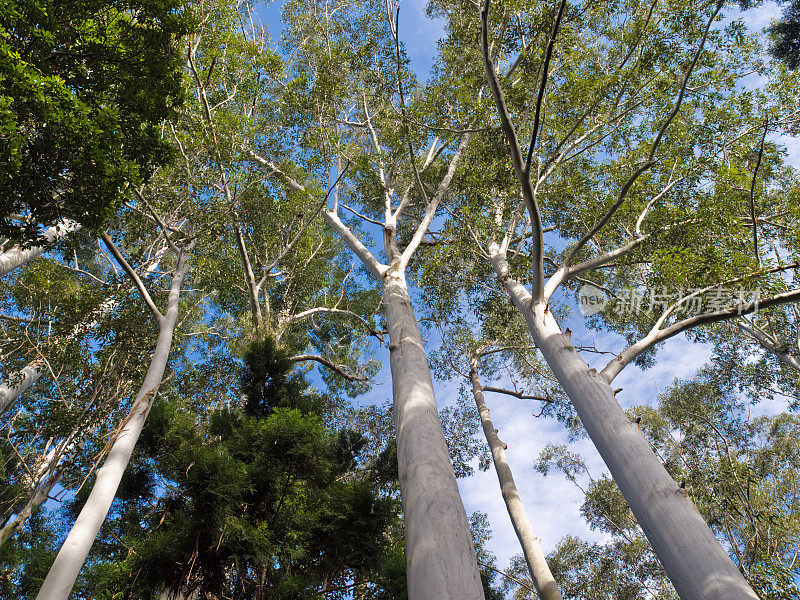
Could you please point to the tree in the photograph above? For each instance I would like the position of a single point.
(264, 501)
(62, 575)
(738, 470)
(630, 166)
(440, 556)
(83, 91)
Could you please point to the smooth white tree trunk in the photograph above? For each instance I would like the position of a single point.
(16, 257)
(531, 544)
(15, 385)
(441, 563)
(69, 561)
(692, 557)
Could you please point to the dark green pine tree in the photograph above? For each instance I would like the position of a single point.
(262, 500)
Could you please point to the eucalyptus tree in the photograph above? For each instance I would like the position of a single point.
(356, 95)
(265, 500)
(738, 469)
(497, 350)
(70, 380)
(644, 162)
(64, 571)
(539, 571)
(271, 264)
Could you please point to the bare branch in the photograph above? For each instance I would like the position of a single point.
(430, 209)
(655, 336)
(359, 249)
(543, 85)
(520, 395)
(516, 157)
(336, 311)
(132, 275)
(328, 364)
(274, 170)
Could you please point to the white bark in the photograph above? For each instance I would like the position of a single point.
(64, 571)
(692, 557)
(11, 389)
(17, 256)
(531, 544)
(440, 557)
(35, 501)
(769, 343)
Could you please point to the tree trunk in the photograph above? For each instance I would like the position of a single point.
(692, 557)
(16, 256)
(34, 502)
(531, 545)
(62, 575)
(18, 383)
(441, 563)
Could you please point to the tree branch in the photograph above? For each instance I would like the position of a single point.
(545, 67)
(520, 395)
(616, 365)
(516, 157)
(359, 249)
(325, 362)
(133, 276)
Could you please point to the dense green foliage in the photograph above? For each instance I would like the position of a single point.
(84, 88)
(261, 500)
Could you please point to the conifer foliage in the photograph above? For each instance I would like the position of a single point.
(259, 499)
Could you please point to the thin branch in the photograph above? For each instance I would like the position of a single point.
(516, 157)
(507, 576)
(520, 395)
(545, 68)
(274, 170)
(430, 209)
(133, 276)
(336, 311)
(326, 363)
(358, 214)
(650, 161)
(752, 194)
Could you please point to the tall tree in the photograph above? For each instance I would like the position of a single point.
(62, 575)
(630, 165)
(400, 191)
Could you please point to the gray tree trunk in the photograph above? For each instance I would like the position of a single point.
(35, 501)
(531, 544)
(692, 557)
(440, 557)
(69, 561)
(16, 257)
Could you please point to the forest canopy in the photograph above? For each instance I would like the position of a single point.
(283, 316)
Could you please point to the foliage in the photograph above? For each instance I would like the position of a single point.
(259, 501)
(84, 87)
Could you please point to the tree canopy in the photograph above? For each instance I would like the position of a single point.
(261, 226)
